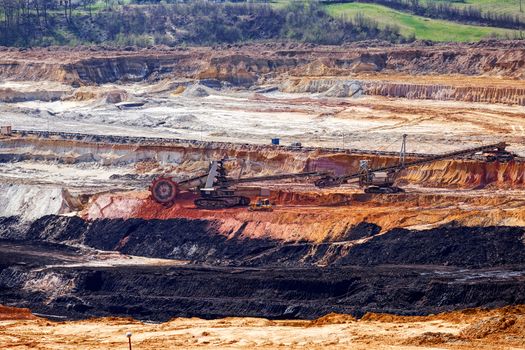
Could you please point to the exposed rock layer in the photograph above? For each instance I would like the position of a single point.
(252, 64)
(187, 157)
(200, 242)
(488, 94)
(444, 269)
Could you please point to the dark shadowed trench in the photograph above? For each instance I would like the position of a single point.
(44, 266)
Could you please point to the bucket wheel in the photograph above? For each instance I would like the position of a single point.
(164, 191)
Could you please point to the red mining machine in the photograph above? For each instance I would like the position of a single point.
(381, 180)
(216, 190)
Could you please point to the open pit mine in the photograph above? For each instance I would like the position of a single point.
(269, 195)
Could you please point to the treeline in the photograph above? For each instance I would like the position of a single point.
(69, 22)
(446, 10)
(23, 22)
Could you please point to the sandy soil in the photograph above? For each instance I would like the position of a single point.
(247, 116)
(370, 122)
(468, 329)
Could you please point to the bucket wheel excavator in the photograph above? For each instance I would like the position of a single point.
(215, 189)
(382, 180)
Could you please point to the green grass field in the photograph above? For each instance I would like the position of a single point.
(423, 28)
(496, 6)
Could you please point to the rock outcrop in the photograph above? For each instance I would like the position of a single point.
(10, 95)
(31, 202)
(252, 63)
(488, 94)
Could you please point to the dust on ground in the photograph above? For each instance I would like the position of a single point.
(483, 329)
(368, 122)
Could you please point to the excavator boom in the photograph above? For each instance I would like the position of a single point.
(330, 181)
(214, 187)
(277, 177)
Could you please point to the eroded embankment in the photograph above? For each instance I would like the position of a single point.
(250, 63)
(190, 157)
(274, 64)
(475, 90)
(406, 272)
(487, 94)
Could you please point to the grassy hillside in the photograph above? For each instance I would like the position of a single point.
(205, 22)
(423, 28)
(497, 6)
(146, 23)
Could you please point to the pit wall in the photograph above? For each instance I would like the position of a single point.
(187, 160)
(467, 174)
(32, 202)
(455, 174)
(306, 213)
(261, 62)
(413, 272)
(271, 64)
(71, 68)
(10, 96)
(302, 213)
(489, 94)
(321, 216)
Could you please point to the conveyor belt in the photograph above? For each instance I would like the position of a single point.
(334, 181)
(161, 141)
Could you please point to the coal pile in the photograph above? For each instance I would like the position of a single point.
(42, 266)
(199, 241)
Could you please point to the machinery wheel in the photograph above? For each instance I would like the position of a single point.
(164, 190)
(221, 202)
(326, 181)
(383, 190)
(244, 201)
(212, 203)
(373, 189)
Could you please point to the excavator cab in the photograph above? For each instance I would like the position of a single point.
(377, 182)
(261, 204)
(498, 155)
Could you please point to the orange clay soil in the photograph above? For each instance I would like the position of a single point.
(309, 214)
(468, 329)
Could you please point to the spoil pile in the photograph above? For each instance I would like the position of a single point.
(436, 270)
(32, 202)
(200, 241)
(197, 90)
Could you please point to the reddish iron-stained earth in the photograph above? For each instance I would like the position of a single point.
(444, 96)
(308, 214)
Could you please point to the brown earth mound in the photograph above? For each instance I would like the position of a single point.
(333, 331)
(432, 338)
(13, 313)
(333, 318)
